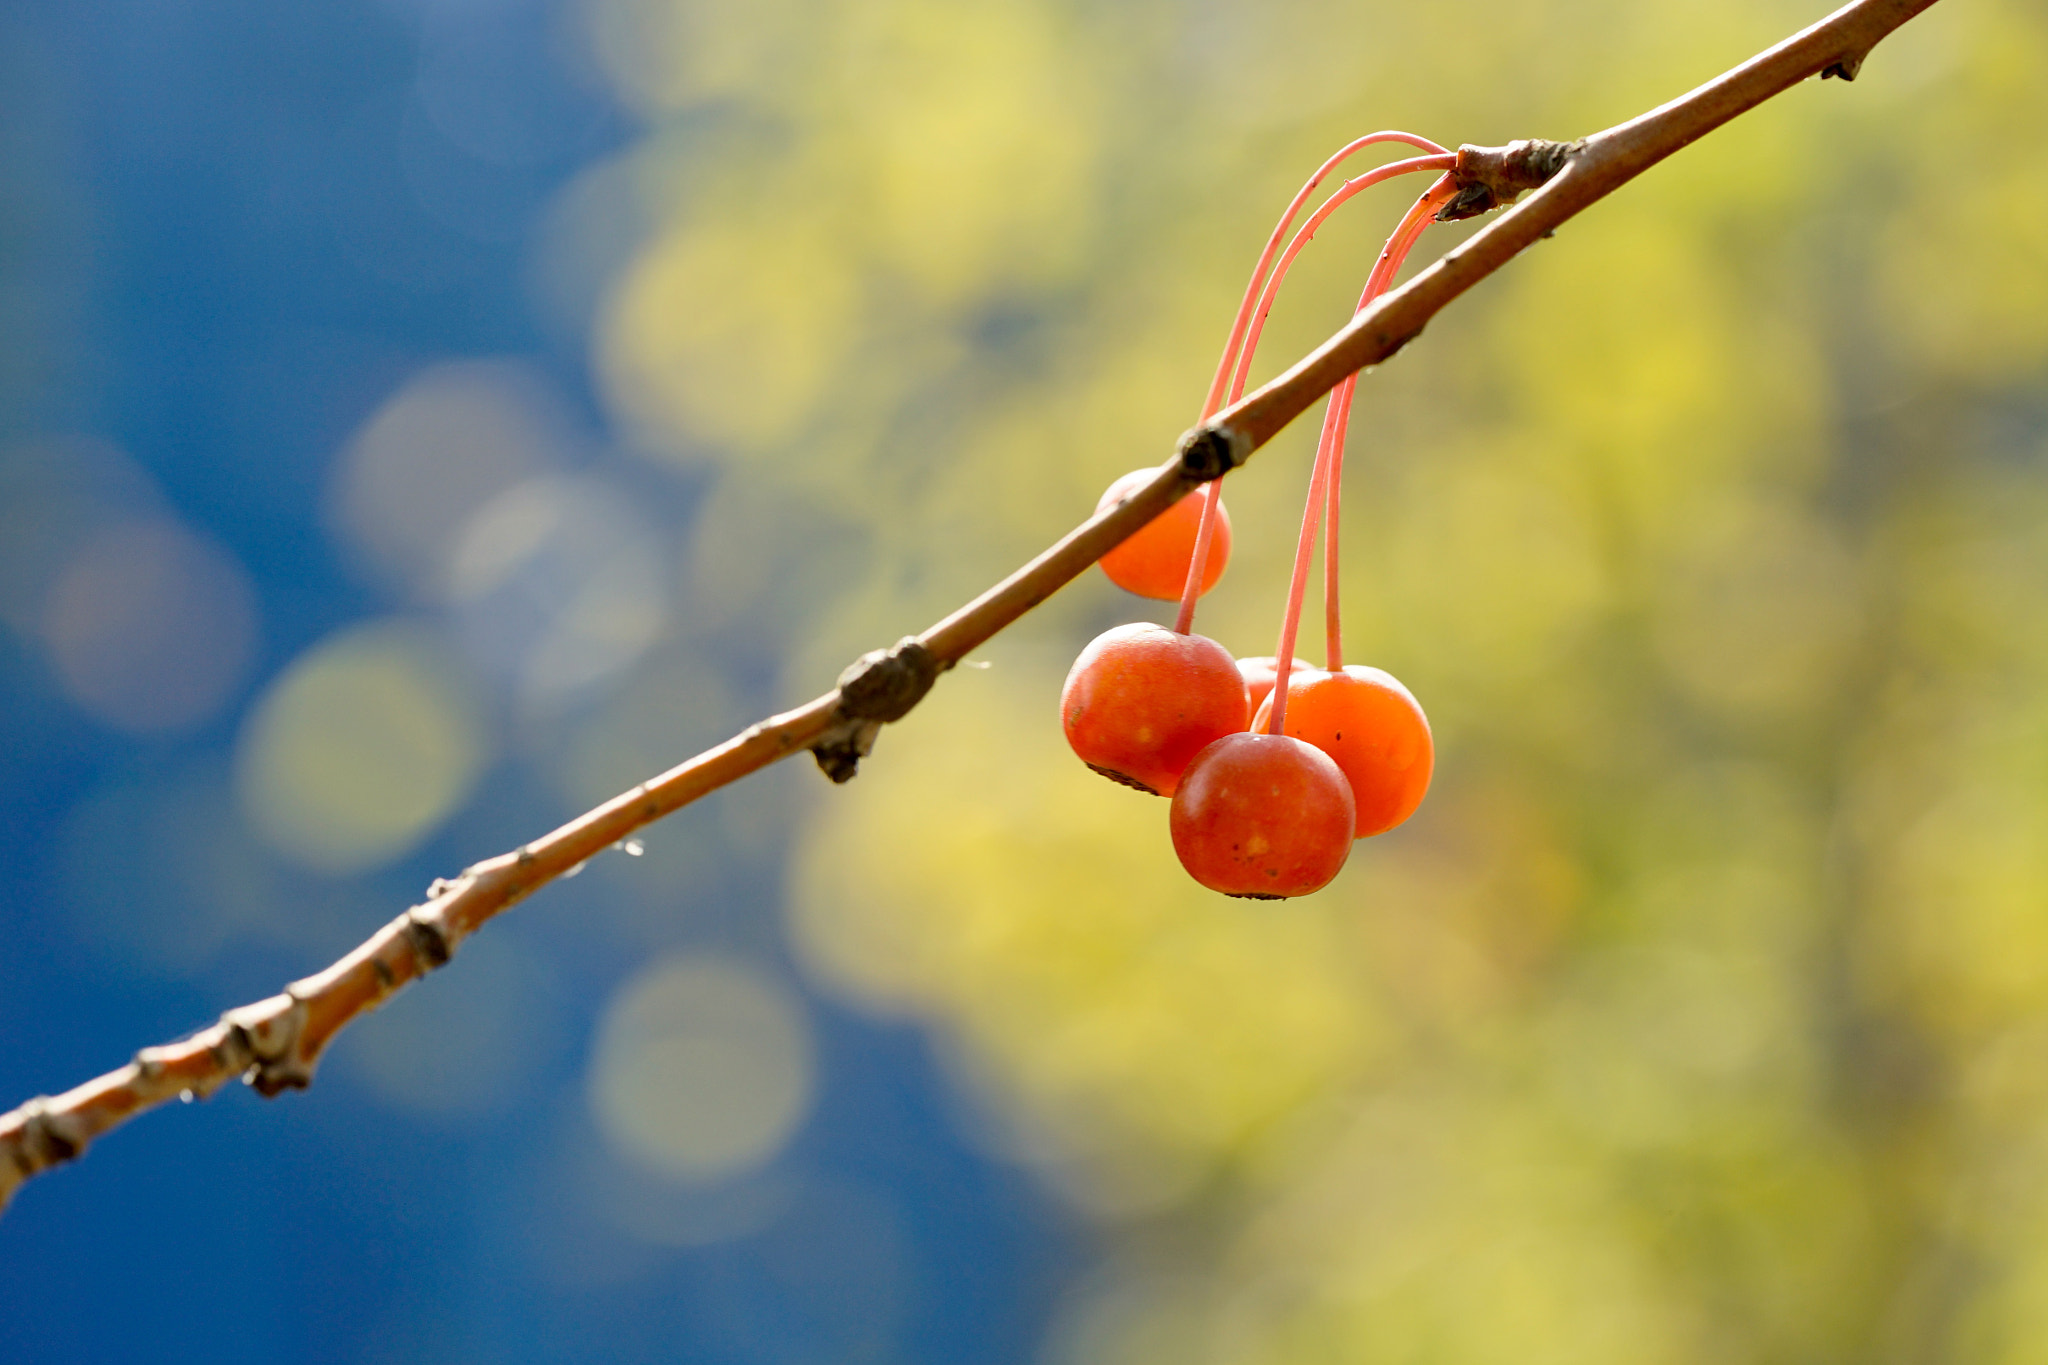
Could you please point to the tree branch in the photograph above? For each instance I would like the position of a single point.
(275, 1044)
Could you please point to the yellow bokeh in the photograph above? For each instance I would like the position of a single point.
(703, 1069)
(359, 749)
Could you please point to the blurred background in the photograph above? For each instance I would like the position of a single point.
(421, 419)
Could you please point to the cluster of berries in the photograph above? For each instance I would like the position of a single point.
(1274, 766)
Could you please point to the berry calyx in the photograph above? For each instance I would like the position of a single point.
(1142, 700)
(1259, 673)
(1155, 561)
(1374, 730)
(1262, 816)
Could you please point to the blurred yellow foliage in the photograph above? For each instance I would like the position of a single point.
(1701, 1015)
(360, 749)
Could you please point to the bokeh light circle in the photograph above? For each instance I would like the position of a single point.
(557, 583)
(703, 1068)
(451, 439)
(149, 626)
(359, 749)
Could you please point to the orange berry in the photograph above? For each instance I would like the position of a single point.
(1154, 562)
(1371, 725)
(1260, 672)
(1262, 816)
(1142, 700)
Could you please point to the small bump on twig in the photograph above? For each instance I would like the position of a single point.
(1489, 177)
(884, 684)
(231, 1054)
(429, 942)
(880, 686)
(1210, 452)
(839, 754)
(271, 1036)
(48, 1138)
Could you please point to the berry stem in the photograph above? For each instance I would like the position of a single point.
(1330, 446)
(1337, 413)
(1330, 449)
(1251, 290)
(1205, 530)
(1237, 355)
(1290, 623)
(1305, 234)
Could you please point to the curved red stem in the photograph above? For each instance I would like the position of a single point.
(1205, 531)
(1236, 352)
(1307, 232)
(1291, 622)
(1330, 454)
(1330, 447)
(1251, 290)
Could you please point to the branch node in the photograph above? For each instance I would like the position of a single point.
(884, 684)
(429, 942)
(1210, 452)
(1489, 177)
(269, 1037)
(1845, 69)
(839, 753)
(231, 1053)
(880, 686)
(48, 1137)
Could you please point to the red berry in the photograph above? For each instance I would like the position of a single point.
(1259, 673)
(1372, 726)
(1154, 562)
(1262, 816)
(1142, 700)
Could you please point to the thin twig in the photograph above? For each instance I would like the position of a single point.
(274, 1044)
